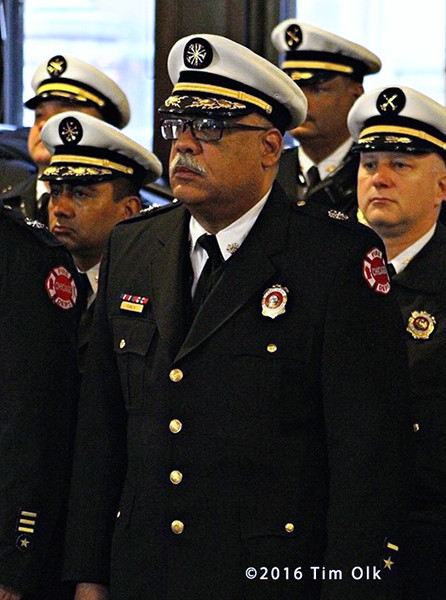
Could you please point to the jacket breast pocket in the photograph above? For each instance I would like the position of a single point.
(132, 338)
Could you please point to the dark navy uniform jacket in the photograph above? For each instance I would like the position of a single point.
(421, 293)
(38, 392)
(337, 191)
(246, 442)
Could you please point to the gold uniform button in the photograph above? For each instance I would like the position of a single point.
(122, 344)
(177, 527)
(118, 514)
(271, 347)
(416, 427)
(176, 375)
(289, 527)
(176, 477)
(301, 203)
(175, 426)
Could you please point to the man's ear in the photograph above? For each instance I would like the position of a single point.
(357, 89)
(442, 187)
(272, 147)
(132, 206)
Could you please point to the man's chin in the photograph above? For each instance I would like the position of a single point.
(65, 238)
(381, 221)
(187, 191)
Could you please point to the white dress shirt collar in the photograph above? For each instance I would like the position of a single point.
(93, 278)
(229, 239)
(329, 164)
(401, 261)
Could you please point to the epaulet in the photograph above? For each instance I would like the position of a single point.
(36, 228)
(151, 211)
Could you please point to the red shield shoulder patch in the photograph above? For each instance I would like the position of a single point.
(374, 271)
(61, 288)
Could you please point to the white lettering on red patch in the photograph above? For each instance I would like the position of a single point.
(61, 288)
(374, 271)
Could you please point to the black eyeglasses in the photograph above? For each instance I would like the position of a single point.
(205, 130)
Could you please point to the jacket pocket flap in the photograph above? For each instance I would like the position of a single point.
(132, 335)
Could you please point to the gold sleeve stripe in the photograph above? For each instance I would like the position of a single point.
(215, 89)
(25, 529)
(316, 64)
(66, 87)
(27, 513)
(392, 547)
(89, 160)
(402, 130)
(27, 522)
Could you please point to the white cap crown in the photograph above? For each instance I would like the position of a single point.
(86, 149)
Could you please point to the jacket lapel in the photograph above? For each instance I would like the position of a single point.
(246, 273)
(170, 279)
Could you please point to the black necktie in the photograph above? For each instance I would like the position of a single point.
(211, 270)
(85, 290)
(391, 270)
(313, 176)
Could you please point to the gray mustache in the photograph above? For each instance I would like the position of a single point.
(186, 160)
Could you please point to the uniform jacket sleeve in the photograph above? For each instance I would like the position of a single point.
(101, 426)
(364, 379)
(37, 406)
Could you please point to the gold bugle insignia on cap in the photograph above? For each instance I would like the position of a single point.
(89, 160)
(366, 140)
(222, 91)
(316, 64)
(422, 135)
(391, 139)
(71, 89)
(174, 100)
(394, 139)
(68, 171)
(214, 104)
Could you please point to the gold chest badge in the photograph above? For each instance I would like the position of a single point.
(421, 324)
(274, 301)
